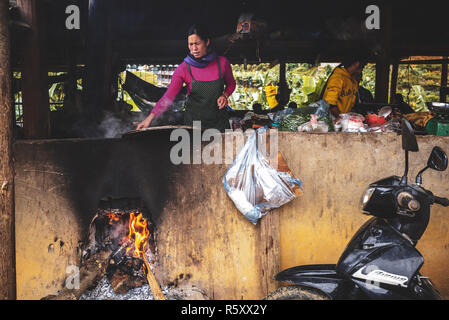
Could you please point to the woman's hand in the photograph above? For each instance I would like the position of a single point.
(145, 123)
(222, 101)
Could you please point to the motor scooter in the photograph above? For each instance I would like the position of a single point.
(381, 260)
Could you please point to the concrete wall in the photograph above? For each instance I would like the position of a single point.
(201, 237)
(336, 169)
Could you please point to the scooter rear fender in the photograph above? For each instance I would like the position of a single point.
(320, 276)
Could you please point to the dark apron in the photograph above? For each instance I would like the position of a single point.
(202, 104)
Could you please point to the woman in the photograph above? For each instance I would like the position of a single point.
(209, 81)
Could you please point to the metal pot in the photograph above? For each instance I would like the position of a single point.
(438, 107)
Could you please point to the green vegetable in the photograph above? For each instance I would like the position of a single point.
(292, 121)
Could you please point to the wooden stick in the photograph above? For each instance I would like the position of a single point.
(154, 286)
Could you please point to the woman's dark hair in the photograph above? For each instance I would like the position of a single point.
(348, 61)
(361, 56)
(201, 31)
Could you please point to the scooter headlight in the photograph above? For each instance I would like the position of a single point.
(366, 197)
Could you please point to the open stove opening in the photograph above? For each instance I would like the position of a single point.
(120, 255)
(122, 227)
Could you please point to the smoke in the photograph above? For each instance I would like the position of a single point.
(114, 126)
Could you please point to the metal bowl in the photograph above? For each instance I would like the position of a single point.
(438, 107)
(385, 111)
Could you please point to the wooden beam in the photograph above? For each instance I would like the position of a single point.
(443, 87)
(7, 235)
(421, 49)
(291, 51)
(427, 61)
(36, 111)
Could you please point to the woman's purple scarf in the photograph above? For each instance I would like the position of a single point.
(201, 62)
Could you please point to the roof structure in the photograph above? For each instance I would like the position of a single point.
(114, 33)
(155, 31)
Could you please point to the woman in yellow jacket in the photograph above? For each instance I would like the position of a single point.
(341, 88)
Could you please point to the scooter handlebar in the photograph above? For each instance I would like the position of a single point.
(441, 201)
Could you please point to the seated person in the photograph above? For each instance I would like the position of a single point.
(402, 105)
(341, 87)
(363, 94)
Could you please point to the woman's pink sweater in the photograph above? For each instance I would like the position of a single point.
(182, 75)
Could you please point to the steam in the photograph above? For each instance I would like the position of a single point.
(113, 126)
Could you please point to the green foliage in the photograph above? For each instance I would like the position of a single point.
(251, 83)
(369, 77)
(305, 80)
(418, 84)
(18, 98)
(420, 104)
(56, 93)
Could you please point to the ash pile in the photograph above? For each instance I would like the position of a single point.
(105, 291)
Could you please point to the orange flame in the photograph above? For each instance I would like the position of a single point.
(138, 231)
(112, 217)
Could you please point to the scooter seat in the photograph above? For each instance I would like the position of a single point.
(313, 270)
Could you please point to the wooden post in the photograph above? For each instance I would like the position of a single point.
(268, 231)
(7, 236)
(282, 78)
(284, 91)
(97, 84)
(70, 82)
(269, 251)
(36, 110)
(443, 88)
(383, 63)
(382, 78)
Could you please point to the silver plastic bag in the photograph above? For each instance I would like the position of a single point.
(254, 185)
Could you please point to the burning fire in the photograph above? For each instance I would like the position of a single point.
(138, 231)
(113, 217)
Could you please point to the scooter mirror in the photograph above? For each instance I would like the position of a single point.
(409, 142)
(437, 159)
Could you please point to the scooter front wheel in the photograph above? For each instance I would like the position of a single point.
(296, 293)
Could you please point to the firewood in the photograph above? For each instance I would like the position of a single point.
(154, 285)
(122, 282)
(91, 272)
